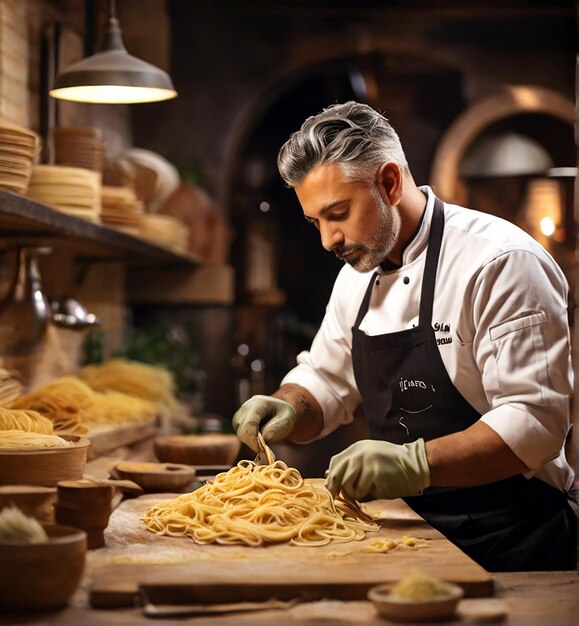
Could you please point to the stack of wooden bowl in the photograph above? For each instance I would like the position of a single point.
(78, 147)
(73, 190)
(18, 149)
(86, 505)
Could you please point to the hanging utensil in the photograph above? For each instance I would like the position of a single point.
(69, 313)
(24, 312)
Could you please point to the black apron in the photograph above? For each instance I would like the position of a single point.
(515, 524)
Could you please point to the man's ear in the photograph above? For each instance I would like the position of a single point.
(390, 182)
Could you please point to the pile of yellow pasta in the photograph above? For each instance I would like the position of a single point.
(260, 504)
(27, 421)
(149, 382)
(21, 429)
(10, 387)
(72, 406)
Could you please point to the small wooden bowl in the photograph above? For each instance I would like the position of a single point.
(31, 500)
(207, 449)
(403, 610)
(46, 466)
(43, 575)
(156, 476)
(84, 494)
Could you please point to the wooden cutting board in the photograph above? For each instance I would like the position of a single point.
(176, 570)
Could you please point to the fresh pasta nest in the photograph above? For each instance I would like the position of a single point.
(141, 380)
(29, 421)
(72, 406)
(19, 439)
(260, 504)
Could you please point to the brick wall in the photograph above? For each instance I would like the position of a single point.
(14, 58)
(24, 25)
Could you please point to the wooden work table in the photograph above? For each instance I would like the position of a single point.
(548, 598)
(132, 553)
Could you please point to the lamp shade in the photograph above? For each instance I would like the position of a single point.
(507, 154)
(113, 76)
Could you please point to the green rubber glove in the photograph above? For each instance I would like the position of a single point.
(379, 469)
(281, 417)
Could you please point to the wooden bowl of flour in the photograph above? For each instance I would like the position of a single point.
(205, 449)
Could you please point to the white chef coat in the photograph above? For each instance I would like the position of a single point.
(500, 316)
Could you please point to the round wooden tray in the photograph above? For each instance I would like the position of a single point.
(156, 476)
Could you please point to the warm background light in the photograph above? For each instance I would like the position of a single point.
(543, 209)
(547, 226)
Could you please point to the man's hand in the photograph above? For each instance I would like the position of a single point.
(379, 469)
(280, 414)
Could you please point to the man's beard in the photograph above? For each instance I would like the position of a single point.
(369, 254)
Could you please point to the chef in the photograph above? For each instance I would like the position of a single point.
(450, 327)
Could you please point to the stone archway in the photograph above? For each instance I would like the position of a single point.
(511, 101)
(310, 56)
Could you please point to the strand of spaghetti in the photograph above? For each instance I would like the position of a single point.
(29, 421)
(259, 504)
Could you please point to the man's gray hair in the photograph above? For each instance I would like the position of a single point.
(353, 135)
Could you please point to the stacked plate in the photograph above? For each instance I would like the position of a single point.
(18, 149)
(121, 209)
(78, 147)
(167, 231)
(72, 190)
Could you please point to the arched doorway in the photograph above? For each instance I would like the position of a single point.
(540, 115)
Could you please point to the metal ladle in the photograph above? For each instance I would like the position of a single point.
(24, 311)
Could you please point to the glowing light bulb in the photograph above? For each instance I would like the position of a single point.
(547, 226)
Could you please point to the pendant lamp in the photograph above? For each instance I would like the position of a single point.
(112, 75)
(505, 154)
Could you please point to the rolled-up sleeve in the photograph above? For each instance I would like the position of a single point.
(326, 369)
(521, 344)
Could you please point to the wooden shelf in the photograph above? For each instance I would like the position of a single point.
(207, 286)
(105, 439)
(31, 223)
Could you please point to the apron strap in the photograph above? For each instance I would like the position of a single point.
(430, 267)
(431, 264)
(366, 300)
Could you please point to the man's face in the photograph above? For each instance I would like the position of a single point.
(354, 221)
